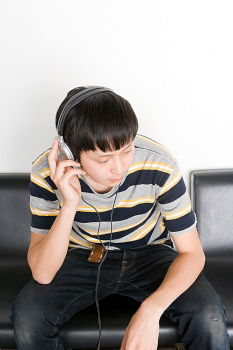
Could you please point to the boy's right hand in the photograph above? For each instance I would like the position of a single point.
(65, 177)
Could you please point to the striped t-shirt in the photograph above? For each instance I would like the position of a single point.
(151, 204)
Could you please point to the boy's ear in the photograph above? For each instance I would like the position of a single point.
(80, 163)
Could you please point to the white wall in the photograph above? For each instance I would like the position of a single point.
(171, 59)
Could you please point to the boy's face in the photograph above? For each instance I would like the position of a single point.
(106, 169)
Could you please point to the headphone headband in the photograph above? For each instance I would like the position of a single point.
(74, 100)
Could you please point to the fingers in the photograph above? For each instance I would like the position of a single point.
(53, 158)
(60, 167)
(65, 179)
(67, 163)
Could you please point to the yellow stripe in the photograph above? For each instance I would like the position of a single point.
(45, 172)
(162, 242)
(39, 212)
(90, 239)
(90, 245)
(122, 204)
(38, 181)
(77, 241)
(162, 226)
(150, 165)
(174, 180)
(141, 233)
(129, 203)
(178, 213)
(74, 245)
(103, 232)
(40, 157)
(145, 229)
(137, 236)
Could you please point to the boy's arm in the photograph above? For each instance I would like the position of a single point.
(174, 203)
(46, 257)
(143, 328)
(181, 274)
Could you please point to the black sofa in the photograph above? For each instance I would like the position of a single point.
(212, 198)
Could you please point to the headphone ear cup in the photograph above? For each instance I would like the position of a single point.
(67, 152)
(64, 148)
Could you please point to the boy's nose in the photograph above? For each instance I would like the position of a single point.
(117, 168)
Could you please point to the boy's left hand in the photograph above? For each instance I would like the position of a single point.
(142, 331)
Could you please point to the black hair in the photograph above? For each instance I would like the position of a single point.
(105, 120)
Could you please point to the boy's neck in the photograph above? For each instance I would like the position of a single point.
(99, 188)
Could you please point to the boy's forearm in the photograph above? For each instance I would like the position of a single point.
(46, 258)
(181, 274)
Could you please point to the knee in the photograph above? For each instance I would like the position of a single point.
(29, 319)
(26, 319)
(211, 318)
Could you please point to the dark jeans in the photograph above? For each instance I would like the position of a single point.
(40, 309)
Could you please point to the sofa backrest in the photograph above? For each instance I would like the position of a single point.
(212, 201)
(15, 218)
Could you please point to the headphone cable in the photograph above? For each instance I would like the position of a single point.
(98, 273)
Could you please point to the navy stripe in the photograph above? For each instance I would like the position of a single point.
(118, 213)
(85, 187)
(132, 244)
(181, 223)
(50, 182)
(164, 234)
(41, 192)
(168, 242)
(138, 243)
(42, 222)
(144, 177)
(174, 193)
(120, 234)
(139, 177)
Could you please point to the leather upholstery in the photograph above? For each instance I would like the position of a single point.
(81, 332)
(212, 201)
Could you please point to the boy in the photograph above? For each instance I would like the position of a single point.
(122, 204)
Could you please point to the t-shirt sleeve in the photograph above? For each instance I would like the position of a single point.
(175, 204)
(44, 204)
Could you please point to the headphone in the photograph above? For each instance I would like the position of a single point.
(65, 150)
(73, 101)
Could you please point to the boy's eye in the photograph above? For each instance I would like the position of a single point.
(105, 161)
(102, 161)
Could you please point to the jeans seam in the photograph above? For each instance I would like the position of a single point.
(62, 312)
(132, 261)
(141, 290)
(122, 267)
(121, 273)
(70, 302)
